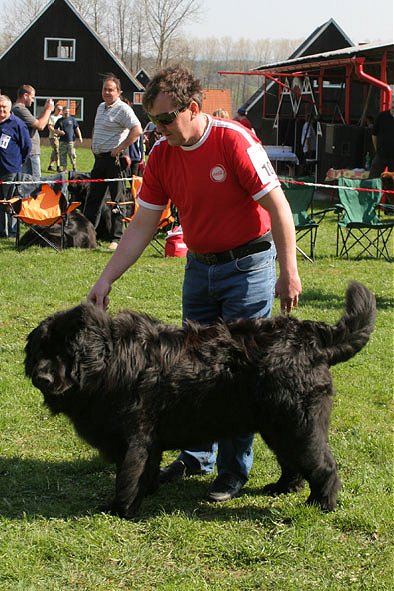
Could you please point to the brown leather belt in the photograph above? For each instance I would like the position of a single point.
(213, 258)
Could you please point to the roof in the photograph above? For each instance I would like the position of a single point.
(216, 99)
(332, 60)
(318, 32)
(327, 33)
(119, 63)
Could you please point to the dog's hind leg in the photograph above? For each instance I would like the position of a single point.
(324, 482)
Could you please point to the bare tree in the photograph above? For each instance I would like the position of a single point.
(164, 19)
(19, 14)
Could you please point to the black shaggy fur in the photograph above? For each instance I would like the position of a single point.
(80, 192)
(79, 232)
(133, 387)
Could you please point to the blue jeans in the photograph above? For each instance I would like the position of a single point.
(7, 222)
(32, 166)
(243, 288)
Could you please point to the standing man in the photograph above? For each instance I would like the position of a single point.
(15, 145)
(234, 217)
(54, 163)
(25, 98)
(67, 129)
(383, 142)
(115, 128)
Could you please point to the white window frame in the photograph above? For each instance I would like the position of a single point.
(62, 99)
(59, 59)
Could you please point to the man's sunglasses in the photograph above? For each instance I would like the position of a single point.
(166, 118)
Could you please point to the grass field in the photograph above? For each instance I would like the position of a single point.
(52, 534)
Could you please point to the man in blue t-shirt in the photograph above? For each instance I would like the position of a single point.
(67, 129)
(15, 146)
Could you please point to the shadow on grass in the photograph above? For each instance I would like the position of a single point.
(36, 489)
(319, 299)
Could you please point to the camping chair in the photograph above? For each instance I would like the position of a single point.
(131, 204)
(358, 223)
(306, 223)
(46, 206)
(166, 222)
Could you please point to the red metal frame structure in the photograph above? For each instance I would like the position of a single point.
(343, 65)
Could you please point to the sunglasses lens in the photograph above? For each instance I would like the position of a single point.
(163, 118)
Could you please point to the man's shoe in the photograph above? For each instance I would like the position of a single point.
(176, 471)
(224, 487)
(51, 168)
(113, 246)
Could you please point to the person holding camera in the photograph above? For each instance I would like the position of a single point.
(25, 98)
(115, 127)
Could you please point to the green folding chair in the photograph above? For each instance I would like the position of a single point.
(300, 198)
(360, 231)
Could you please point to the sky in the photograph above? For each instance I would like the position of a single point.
(361, 20)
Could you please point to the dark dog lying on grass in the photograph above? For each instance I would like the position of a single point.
(133, 387)
(79, 232)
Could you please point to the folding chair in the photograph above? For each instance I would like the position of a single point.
(131, 204)
(359, 227)
(46, 206)
(300, 198)
(167, 219)
(167, 222)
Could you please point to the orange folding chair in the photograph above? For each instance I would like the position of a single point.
(118, 207)
(46, 207)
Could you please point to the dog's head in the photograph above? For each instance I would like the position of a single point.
(63, 350)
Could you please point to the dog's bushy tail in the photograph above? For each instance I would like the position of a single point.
(352, 332)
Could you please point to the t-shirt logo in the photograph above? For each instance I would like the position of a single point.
(218, 174)
(4, 141)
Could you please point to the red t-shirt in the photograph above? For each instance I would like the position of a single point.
(214, 184)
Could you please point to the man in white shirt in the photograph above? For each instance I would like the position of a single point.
(115, 127)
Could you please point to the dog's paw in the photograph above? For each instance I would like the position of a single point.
(324, 503)
(278, 488)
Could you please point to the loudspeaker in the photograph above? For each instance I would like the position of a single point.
(342, 146)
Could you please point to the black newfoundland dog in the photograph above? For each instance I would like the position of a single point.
(79, 232)
(133, 387)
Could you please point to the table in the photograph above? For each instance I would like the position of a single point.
(283, 154)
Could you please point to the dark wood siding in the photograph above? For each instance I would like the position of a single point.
(25, 64)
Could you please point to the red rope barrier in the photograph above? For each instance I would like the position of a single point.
(294, 182)
(322, 186)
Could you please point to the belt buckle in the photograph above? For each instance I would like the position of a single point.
(211, 258)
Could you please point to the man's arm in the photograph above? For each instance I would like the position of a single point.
(375, 142)
(42, 121)
(132, 136)
(288, 286)
(137, 236)
(78, 133)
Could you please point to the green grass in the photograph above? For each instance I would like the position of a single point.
(84, 158)
(52, 534)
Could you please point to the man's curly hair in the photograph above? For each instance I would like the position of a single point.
(178, 82)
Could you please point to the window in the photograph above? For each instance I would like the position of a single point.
(75, 105)
(59, 49)
(137, 98)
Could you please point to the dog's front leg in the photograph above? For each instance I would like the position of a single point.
(128, 477)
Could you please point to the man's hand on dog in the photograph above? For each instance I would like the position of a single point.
(99, 294)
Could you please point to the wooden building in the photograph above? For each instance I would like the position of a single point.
(64, 59)
(343, 88)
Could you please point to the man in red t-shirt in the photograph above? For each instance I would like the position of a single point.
(235, 220)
